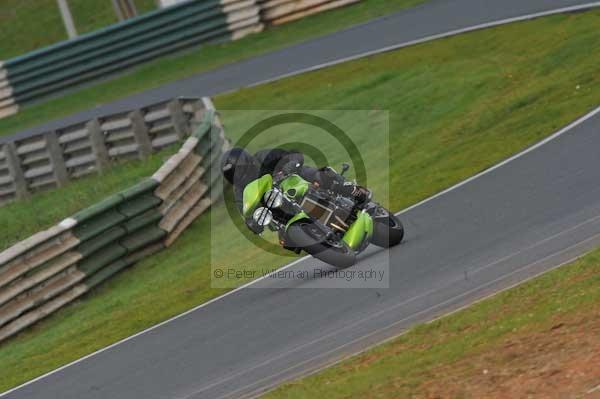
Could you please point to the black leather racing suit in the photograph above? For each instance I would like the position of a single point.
(275, 160)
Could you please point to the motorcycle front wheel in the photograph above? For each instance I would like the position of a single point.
(388, 230)
(316, 242)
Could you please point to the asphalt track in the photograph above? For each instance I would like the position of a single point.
(435, 17)
(526, 216)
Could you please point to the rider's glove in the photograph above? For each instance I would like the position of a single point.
(329, 179)
(361, 195)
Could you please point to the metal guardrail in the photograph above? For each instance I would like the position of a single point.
(52, 268)
(50, 70)
(53, 158)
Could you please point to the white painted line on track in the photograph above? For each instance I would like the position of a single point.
(153, 327)
(548, 139)
(425, 39)
(441, 304)
(410, 300)
(429, 38)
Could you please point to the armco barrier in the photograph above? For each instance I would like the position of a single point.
(53, 158)
(49, 70)
(277, 12)
(51, 269)
(7, 102)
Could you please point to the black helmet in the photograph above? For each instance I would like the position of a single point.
(239, 167)
(273, 160)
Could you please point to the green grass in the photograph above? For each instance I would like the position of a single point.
(457, 106)
(29, 25)
(168, 69)
(446, 358)
(26, 217)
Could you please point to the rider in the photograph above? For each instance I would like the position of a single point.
(240, 168)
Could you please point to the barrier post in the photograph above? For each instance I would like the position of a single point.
(178, 118)
(56, 159)
(98, 145)
(140, 133)
(16, 172)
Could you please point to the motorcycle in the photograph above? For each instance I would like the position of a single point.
(331, 227)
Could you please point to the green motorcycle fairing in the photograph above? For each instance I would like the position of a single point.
(299, 216)
(355, 236)
(254, 192)
(360, 230)
(294, 187)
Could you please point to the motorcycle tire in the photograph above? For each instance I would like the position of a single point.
(315, 241)
(388, 230)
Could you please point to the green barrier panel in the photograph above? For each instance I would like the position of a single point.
(140, 188)
(99, 208)
(208, 142)
(112, 235)
(210, 135)
(213, 156)
(142, 238)
(120, 31)
(152, 216)
(203, 148)
(139, 205)
(205, 125)
(216, 192)
(119, 230)
(91, 228)
(102, 258)
(23, 90)
(215, 186)
(213, 176)
(144, 253)
(210, 175)
(100, 217)
(206, 146)
(116, 41)
(107, 272)
(116, 66)
(91, 60)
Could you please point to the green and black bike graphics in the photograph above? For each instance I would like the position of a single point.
(328, 226)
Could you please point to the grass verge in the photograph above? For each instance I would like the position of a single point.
(24, 218)
(179, 66)
(540, 339)
(29, 25)
(457, 106)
